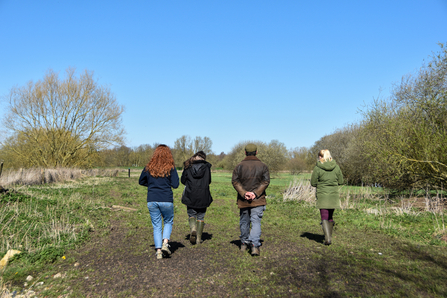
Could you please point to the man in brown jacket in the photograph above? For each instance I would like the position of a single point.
(250, 179)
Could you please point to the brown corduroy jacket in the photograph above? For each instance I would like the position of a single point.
(251, 175)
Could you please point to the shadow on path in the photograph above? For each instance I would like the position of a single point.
(315, 237)
(205, 236)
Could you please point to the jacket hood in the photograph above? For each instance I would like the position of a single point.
(198, 168)
(327, 166)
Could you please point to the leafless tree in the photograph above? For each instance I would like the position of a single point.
(61, 122)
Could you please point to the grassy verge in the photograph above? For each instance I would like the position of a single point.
(109, 252)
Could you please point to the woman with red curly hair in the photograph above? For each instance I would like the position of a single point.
(160, 176)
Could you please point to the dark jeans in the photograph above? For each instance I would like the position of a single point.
(198, 213)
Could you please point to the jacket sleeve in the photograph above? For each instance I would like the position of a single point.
(314, 178)
(340, 177)
(174, 178)
(264, 183)
(143, 178)
(235, 180)
(184, 176)
(209, 170)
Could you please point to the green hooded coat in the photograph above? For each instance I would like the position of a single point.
(326, 177)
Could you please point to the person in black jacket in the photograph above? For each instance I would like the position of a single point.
(196, 177)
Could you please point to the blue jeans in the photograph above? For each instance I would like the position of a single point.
(161, 211)
(251, 215)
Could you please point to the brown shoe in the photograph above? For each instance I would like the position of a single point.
(255, 251)
(244, 247)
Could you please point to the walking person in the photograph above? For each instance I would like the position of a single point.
(196, 177)
(160, 176)
(326, 177)
(250, 179)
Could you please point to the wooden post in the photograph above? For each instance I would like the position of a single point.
(1, 168)
(129, 172)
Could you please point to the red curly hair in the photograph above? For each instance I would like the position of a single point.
(161, 162)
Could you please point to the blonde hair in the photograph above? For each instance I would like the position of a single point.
(325, 154)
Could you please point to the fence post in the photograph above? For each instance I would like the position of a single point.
(129, 172)
(1, 168)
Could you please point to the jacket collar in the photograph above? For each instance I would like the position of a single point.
(199, 161)
(251, 158)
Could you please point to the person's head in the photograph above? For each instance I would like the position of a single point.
(251, 150)
(324, 155)
(161, 162)
(198, 156)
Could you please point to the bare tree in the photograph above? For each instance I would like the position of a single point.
(297, 161)
(61, 122)
(182, 149)
(274, 154)
(185, 147)
(202, 144)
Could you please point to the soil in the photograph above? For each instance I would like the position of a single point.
(119, 266)
(123, 264)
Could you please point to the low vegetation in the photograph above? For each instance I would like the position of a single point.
(383, 246)
(43, 176)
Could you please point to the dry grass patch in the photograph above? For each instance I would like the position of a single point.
(43, 176)
(300, 190)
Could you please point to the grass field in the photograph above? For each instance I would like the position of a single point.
(382, 247)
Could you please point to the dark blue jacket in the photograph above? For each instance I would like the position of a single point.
(159, 189)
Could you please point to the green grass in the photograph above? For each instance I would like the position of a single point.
(383, 255)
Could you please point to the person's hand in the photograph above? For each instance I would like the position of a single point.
(249, 196)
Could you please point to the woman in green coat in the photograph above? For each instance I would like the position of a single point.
(326, 177)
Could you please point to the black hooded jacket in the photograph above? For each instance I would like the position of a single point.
(197, 179)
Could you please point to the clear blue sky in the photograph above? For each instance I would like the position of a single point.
(293, 71)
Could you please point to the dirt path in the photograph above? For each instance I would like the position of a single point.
(122, 264)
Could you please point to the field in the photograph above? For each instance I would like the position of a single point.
(382, 246)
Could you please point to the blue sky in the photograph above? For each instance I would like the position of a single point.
(292, 71)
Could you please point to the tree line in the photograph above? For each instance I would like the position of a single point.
(400, 142)
(73, 121)
(274, 154)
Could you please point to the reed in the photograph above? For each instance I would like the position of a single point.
(300, 190)
(35, 176)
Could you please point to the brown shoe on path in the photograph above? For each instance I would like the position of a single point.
(255, 251)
